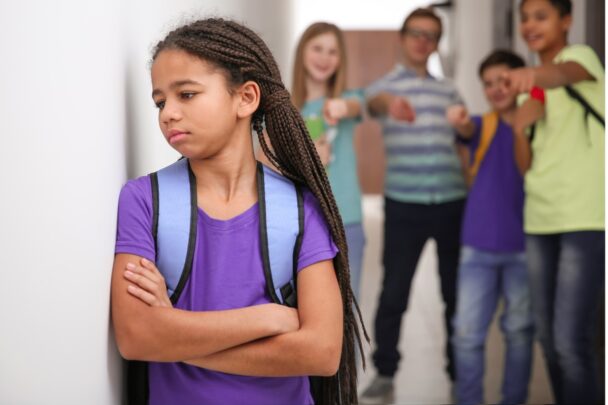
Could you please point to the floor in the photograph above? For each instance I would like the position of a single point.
(421, 379)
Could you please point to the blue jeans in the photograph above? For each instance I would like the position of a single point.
(567, 278)
(483, 278)
(355, 238)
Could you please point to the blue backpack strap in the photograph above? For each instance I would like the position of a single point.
(174, 223)
(281, 229)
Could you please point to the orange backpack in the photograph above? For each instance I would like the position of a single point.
(489, 124)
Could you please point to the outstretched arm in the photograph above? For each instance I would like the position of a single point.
(336, 109)
(398, 108)
(548, 76)
(314, 349)
(163, 333)
(458, 116)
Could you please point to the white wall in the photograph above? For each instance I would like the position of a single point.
(473, 41)
(61, 163)
(76, 117)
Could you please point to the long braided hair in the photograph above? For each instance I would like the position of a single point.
(244, 56)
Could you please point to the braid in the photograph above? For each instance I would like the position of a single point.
(244, 55)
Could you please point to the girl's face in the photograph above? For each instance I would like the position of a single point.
(196, 112)
(494, 89)
(321, 57)
(541, 26)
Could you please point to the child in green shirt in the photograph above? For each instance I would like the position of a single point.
(564, 182)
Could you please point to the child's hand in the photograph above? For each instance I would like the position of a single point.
(520, 80)
(287, 318)
(527, 114)
(334, 110)
(457, 115)
(323, 149)
(400, 109)
(148, 284)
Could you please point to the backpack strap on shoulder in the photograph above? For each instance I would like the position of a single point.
(586, 106)
(174, 223)
(576, 96)
(489, 124)
(281, 230)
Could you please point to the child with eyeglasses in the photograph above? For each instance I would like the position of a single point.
(424, 189)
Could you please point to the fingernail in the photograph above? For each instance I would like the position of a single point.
(128, 273)
(130, 266)
(144, 260)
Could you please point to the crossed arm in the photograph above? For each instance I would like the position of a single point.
(269, 340)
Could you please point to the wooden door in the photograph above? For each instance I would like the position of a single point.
(370, 55)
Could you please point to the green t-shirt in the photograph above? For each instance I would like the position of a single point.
(342, 170)
(565, 184)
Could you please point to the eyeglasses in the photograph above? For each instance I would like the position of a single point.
(419, 34)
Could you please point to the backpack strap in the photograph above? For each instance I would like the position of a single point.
(281, 231)
(575, 95)
(174, 223)
(489, 124)
(588, 108)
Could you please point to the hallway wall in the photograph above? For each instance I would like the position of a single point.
(77, 120)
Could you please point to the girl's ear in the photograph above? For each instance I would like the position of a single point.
(250, 96)
(566, 22)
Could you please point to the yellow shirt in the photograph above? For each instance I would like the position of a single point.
(565, 184)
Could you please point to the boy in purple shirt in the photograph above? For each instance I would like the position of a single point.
(492, 260)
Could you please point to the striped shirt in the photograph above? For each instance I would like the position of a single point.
(422, 163)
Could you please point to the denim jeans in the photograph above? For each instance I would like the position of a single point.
(355, 238)
(483, 278)
(567, 278)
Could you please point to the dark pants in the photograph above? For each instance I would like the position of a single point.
(407, 227)
(567, 278)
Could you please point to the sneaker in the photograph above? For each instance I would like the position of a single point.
(380, 391)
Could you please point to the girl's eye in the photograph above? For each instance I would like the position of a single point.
(160, 104)
(187, 95)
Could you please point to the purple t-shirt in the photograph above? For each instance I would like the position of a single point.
(227, 273)
(493, 216)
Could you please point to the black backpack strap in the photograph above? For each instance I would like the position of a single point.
(154, 184)
(137, 382)
(280, 204)
(586, 106)
(298, 245)
(187, 269)
(264, 235)
(176, 268)
(532, 133)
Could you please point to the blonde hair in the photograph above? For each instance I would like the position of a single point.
(337, 82)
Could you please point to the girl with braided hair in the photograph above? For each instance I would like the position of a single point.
(223, 340)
